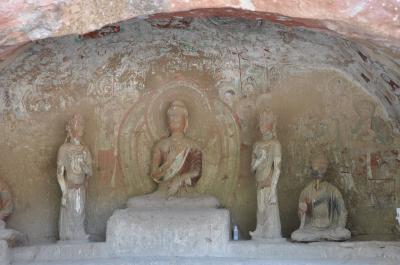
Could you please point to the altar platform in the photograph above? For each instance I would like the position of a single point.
(179, 233)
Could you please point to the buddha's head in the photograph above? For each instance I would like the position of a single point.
(267, 122)
(178, 117)
(75, 126)
(319, 165)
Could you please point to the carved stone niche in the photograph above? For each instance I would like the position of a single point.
(211, 126)
(177, 217)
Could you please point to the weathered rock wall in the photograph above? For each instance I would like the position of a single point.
(330, 95)
(22, 21)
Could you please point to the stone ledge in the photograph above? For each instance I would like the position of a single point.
(59, 252)
(313, 253)
(215, 261)
(320, 250)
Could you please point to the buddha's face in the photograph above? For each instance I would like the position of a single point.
(176, 121)
(318, 168)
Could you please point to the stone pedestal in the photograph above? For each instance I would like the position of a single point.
(169, 231)
(4, 258)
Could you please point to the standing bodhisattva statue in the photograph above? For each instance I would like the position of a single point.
(177, 160)
(74, 167)
(266, 163)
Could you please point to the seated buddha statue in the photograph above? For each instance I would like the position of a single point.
(177, 159)
(321, 210)
(176, 167)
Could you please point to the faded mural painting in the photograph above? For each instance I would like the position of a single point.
(225, 73)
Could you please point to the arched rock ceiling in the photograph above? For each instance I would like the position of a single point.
(373, 26)
(22, 21)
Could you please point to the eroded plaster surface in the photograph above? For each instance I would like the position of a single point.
(329, 94)
(22, 21)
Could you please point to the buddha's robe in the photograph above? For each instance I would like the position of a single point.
(326, 214)
(176, 164)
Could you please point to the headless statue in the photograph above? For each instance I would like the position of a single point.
(266, 163)
(322, 211)
(74, 167)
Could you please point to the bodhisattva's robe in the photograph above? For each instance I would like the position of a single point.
(76, 165)
(266, 163)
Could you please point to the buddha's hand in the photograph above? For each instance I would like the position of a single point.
(173, 152)
(156, 176)
(158, 173)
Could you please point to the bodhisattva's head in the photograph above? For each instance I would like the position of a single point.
(75, 127)
(178, 117)
(319, 165)
(267, 122)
